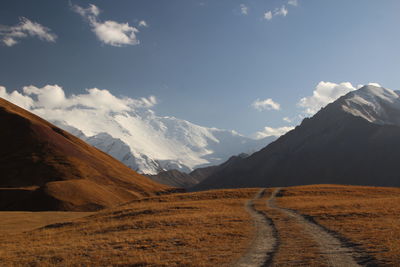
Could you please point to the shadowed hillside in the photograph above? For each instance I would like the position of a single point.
(176, 178)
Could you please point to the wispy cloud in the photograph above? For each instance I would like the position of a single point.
(143, 23)
(268, 15)
(287, 119)
(281, 11)
(244, 9)
(109, 32)
(266, 104)
(10, 35)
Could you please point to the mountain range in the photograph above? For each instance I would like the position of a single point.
(151, 144)
(354, 140)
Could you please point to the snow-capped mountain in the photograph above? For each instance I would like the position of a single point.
(375, 104)
(149, 143)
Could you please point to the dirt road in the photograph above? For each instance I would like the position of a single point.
(265, 243)
(262, 247)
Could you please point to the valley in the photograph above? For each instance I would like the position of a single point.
(199, 133)
(316, 225)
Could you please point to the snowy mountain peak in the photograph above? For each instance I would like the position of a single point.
(374, 103)
(149, 143)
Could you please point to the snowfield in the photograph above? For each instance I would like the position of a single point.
(149, 144)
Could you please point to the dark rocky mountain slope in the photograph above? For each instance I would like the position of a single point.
(179, 179)
(354, 140)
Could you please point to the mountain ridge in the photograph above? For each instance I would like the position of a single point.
(334, 146)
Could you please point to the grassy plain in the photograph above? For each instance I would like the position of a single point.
(194, 229)
(209, 228)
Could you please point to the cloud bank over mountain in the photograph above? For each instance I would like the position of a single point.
(325, 93)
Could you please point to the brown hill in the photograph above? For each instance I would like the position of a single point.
(45, 168)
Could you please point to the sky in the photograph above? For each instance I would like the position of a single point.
(255, 66)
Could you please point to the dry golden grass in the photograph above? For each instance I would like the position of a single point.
(295, 247)
(368, 216)
(15, 222)
(196, 229)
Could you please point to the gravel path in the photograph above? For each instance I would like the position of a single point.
(262, 247)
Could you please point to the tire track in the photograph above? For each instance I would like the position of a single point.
(264, 244)
(336, 253)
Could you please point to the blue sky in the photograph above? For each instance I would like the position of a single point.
(205, 61)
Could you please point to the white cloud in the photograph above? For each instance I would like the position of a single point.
(269, 131)
(266, 104)
(293, 2)
(143, 23)
(268, 15)
(244, 9)
(8, 41)
(15, 97)
(281, 11)
(287, 119)
(25, 28)
(50, 96)
(323, 94)
(109, 32)
(115, 34)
